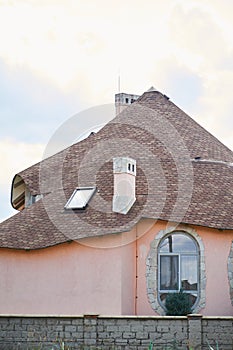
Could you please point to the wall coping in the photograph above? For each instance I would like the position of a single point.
(118, 316)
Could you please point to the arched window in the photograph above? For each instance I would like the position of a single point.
(178, 266)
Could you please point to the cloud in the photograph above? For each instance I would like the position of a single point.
(31, 109)
(15, 156)
(203, 46)
(181, 84)
(196, 30)
(59, 57)
(216, 106)
(74, 44)
(48, 39)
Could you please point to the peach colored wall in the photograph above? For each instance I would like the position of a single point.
(128, 283)
(147, 230)
(104, 275)
(217, 246)
(67, 279)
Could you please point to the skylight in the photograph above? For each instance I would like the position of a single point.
(80, 197)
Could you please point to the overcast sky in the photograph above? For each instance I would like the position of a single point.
(59, 57)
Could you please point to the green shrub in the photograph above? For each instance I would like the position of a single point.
(178, 304)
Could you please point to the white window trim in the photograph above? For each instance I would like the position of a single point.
(68, 205)
(179, 255)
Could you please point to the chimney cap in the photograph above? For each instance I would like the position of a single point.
(124, 165)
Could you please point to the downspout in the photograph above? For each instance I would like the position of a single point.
(136, 273)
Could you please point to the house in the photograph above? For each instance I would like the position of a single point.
(115, 222)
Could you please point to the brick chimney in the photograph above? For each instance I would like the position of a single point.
(123, 100)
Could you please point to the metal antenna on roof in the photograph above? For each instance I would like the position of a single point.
(119, 81)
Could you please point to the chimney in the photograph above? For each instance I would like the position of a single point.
(123, 100)
(124, 171)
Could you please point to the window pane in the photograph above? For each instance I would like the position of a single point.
(169, 272)
(178, 243)
(189, 272)
(80, 198)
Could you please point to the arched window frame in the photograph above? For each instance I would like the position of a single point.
(152, 268)
(178, 256)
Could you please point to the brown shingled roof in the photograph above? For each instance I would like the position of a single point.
(184, 174)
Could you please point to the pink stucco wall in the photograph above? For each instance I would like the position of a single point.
(105, 275)
(217, 247)
(67, 279)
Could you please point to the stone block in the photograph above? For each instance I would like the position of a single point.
(27, 321)
(89, 328)
(103, 335)
(77, 335)
(70, 328)
(77, 321)
(90, 342)
(121, 341)
(62, 321)
(112, 328)
(128, 335)
(20, 327)
(163, 329)
(123, 328)
(90, 320)
(137, 327)
(142, 335)
(115, 335)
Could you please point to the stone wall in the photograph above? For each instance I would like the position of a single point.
(124, 332)
(218, 330)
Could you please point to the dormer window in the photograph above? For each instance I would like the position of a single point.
(21, 196)
(31, 199)
(80, 198)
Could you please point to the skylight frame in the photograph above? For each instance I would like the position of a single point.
(77, 197)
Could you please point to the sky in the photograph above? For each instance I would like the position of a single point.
(60, 57)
